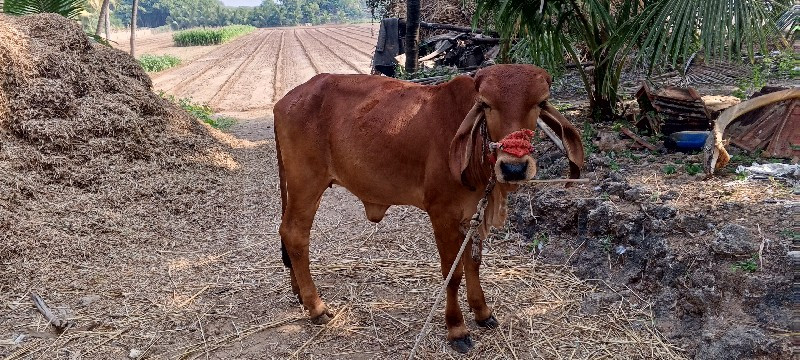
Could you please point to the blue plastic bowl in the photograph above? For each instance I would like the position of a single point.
(689, 140)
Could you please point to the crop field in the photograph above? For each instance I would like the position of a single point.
(244, 77)
(202, 37)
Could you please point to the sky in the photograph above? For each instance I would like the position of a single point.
(241, 2)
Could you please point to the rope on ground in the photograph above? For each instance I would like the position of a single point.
(473, 226)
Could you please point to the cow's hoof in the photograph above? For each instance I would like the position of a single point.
(323, 319)
(462, 345)
(489, 323)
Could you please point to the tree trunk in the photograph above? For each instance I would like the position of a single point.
(134, 10)
(412, 35)
(101, 20)
(108, 24)
(605, 97)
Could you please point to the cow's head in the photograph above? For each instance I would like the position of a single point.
(510, 99)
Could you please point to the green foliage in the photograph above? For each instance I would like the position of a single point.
(747, 158)
(100, 40)
(791, 234)
(654, 33)
(613, 165)
(778, 66)
(787, 64)
(605, 243)
(185, 14)
(538, 242)
(203, 112)
(561, 107)
(448, 71)
(199, 37)
(693, 169)
(70, 9)
(669, 169)
(630, 155)
(156, 63)
(750, 265)
(587, 137)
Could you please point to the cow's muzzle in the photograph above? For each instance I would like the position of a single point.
(511, 169)
(514, 171)
(514, 161)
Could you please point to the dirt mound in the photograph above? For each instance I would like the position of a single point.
(79, 117)
(705, 256)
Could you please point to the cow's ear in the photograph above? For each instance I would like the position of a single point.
(463, 143)
(568, 134)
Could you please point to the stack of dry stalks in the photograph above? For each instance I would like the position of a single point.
(455, 12)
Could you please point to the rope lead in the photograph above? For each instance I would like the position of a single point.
(476, 220)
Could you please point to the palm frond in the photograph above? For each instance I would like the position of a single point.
(68, 8)
(670, 30)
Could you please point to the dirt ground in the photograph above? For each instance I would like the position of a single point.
(192, 270)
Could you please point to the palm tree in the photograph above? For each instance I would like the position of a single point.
(103, 19)
(608, 32)
(134, 10)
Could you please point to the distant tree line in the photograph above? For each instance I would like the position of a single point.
(183, 14)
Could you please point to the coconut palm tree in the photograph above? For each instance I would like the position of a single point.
(134, 11)
(611, 33)
(103, 20)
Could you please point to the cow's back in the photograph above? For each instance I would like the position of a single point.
(380, 138)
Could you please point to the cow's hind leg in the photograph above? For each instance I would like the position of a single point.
(302, 201)
(287, 261)
(448, 241)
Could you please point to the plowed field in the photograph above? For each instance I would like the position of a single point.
(244, 77)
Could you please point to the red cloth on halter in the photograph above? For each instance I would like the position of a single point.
(518, 143)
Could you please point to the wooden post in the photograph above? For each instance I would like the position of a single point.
(412, 35)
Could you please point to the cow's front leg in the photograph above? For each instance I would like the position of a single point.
(448, 241)
(475, 297)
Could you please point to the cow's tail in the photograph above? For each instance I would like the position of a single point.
(282, 184)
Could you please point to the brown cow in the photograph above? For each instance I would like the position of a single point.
(391, 142)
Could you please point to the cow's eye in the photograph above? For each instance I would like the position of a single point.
(486, 106)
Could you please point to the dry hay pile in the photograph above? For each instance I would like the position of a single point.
(80, 126)
(454, 12)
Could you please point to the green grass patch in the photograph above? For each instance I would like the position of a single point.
(156, 63)
(203, 112)
(538, 242)
(693, 169)
(750, 265)
(215, 36)
(791, 234)
(613, 165)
